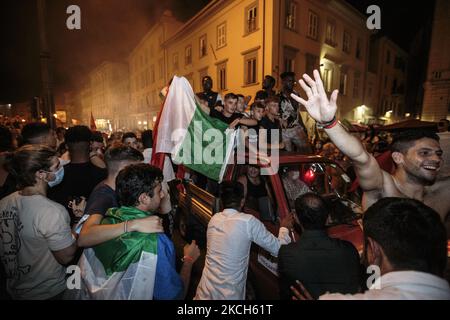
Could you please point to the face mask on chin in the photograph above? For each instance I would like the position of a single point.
(59, 175)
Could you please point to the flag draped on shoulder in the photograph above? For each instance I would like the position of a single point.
(192, 137)
(123, 268)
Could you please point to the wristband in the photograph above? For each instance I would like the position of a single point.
(125, 227)
(332, 125)
(327, 125)
(187, 259)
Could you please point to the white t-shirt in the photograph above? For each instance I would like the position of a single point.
(30, 228)
(401, 285)
(229, 237)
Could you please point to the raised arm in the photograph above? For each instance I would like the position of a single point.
(324, 112)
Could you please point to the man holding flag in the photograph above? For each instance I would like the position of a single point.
(193, 138)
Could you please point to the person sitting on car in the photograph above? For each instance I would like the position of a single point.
(229, 237)
(320, 262)
(254, 186)
(293, 185)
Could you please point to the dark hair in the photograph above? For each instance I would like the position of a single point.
(272, 99)
(261, 95)
(286, 74)
(134, 180)
(240, 96)
(147, 139)
(26, 161)
(406, 139)
(97, 136)
(128, 135)
(78, 134)
(6, 139)
(231, 194)
(60, 130)
(272, 79)
(230, 96)
(411, 234)
(115, 155)
(312, 211)
(257, 105)
(32, 131)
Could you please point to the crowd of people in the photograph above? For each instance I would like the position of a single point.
(77, 197)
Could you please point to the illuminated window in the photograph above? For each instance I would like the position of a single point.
(222, 35)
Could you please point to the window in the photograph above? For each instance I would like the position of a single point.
(343, 83)
(358, 48)
(250, 68)
(221, 35)
(356, 86)
(152, 73)
(346, 46)
(388, 57)
(142, 80)
(313, 25)
(330, 37)
(161, 68)
(147, 77)
(328, 79)
(291, 9)
(289, 59)
(251, 18)
(312, 63)
(175, 61)
(188, 55)
(222, 75)
(203, 49)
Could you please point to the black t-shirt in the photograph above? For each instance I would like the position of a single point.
(79, 181)
(210, 97)
(10, 186)
(101, 199)
(267, 124)
(219, 115)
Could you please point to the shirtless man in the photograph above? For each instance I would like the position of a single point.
(417, 156)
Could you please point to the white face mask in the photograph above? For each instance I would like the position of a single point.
(59, 175)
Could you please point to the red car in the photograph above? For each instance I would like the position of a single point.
(318, 174)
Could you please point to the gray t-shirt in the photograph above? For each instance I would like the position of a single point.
(31, 227)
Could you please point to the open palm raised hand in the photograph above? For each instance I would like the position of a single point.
(318, 106)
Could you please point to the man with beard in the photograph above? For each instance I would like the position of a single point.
(417, 156)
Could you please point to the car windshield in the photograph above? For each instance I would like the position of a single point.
(325, 179)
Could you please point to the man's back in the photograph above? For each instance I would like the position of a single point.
(230, 235)
(321, 263)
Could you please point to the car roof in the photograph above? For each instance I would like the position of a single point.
(287, 158)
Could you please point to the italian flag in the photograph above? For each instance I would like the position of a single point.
(192, 137)
(120, 269)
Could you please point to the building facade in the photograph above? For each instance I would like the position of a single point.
(109, 90)
(436, 103)
(389, 63)
(238, 42)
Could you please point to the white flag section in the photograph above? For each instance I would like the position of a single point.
(193, 138)
(135, 283)
(177, 113)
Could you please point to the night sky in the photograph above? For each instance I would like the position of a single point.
(111, 28)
